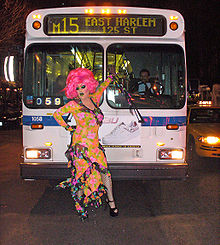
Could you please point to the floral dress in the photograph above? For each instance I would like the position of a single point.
(86, 157)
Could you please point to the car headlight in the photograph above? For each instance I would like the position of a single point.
(38, 153)
(170, 154)
(209, 140)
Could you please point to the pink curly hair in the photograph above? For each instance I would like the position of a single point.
(78, 76)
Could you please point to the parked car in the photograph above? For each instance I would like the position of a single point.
(10, 119)
(203, 132)
(10, 107)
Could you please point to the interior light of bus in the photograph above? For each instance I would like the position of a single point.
(106, 11)
(36, 16)
(36, 25)
(122, 11)
(89, 11)
(172, 127)
(38, 153)
(48, 143)
(160, 144)
(172, 17)
(37, 58)
(37, 126)
(171, 154)
(173, 26)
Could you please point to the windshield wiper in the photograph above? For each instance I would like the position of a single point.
(123, 90)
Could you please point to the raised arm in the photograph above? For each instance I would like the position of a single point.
(102, 87)
(68, 108)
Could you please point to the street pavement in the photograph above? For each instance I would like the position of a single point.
(151, 212)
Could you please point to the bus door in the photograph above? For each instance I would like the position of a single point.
(126, 139)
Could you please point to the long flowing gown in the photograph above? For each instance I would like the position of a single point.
(86, 157)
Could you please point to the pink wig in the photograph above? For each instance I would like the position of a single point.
(78, 76)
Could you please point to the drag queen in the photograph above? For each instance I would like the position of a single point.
(90, 176)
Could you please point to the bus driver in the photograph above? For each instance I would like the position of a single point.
(144, 85)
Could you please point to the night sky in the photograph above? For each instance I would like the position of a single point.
(202, 29)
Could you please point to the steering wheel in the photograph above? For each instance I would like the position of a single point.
(157, 88)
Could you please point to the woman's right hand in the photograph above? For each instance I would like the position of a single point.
(70, 129)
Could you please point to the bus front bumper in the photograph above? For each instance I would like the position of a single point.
(119, 171)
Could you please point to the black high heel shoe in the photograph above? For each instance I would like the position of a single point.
(113, 211)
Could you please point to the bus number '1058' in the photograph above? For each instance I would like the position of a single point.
(36, 119)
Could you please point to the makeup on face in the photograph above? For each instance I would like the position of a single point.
(82, 90)
(81, 87)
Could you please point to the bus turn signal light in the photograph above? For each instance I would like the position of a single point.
(37, 126)
(172, 127)
(36, 25)
(160, 144)
(173, 26)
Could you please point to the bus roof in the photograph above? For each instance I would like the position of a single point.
(130, 17)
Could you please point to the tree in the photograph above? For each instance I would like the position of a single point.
(13, 14)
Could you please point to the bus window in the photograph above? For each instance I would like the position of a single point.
(166, 82)
(47, 67)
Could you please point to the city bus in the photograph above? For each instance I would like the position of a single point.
(143, 134)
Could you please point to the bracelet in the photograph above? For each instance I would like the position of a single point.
(111, 76)
(67, 127)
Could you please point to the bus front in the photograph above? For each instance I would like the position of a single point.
(144, 130)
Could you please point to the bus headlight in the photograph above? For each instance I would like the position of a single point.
(170, 154)
(38, 153)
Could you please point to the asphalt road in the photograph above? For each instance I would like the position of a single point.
(151, 212)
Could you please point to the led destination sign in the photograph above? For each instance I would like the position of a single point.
(112, 25)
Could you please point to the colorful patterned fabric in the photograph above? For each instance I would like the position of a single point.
(86, 157)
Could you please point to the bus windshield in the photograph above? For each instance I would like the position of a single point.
(166, 81)
(47, 67)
